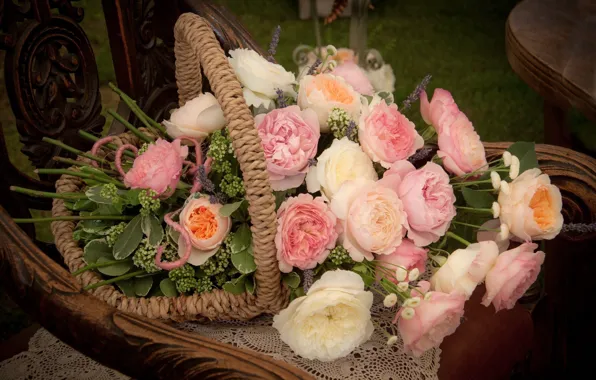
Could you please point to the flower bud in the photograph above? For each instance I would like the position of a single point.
(505, 188)
(427, 296)
(504, 233)
(408, 313)
(514, 169)
(412, 302)
(401, 274)
(496, 210)
(414, 274)
(392, 340)
(506, 158)
(390, 300)
(403, 286)
(496, 180)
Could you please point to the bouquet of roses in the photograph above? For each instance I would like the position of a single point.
(354, 215)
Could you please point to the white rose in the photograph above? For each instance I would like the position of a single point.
(344, 160)
(325, 91)
(383, 79)
(197, 118)
(532, 209)
(331, 320)
(465, 268)
(259, 77)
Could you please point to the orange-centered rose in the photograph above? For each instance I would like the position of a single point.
(542, 205)
(202, 223)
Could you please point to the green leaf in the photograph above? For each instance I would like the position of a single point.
(296, 293)
(93, 193)
(172, 236)
(84, 204)
(129, 240)
(96, 172)
(80, 235)
(368, 98)
(360, 268)
(151, 227)
(96, 249)
(168, 288)
(250, 284)
(388, 285)
(127, 287)
(241, 239)
(143, 285)
(259, 110)
(228, 210)
(477, 199)
(367, 278)
(116, 269)
(387, 97)
(156, 292)
(280, 197)
(244, 261)
(291, 279)
(236, 286)
(526, 153)
(96, 226)
(131, 197)
(113, 209)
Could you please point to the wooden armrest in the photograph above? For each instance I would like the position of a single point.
(134, 345)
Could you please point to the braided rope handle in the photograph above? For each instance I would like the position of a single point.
(196, 47)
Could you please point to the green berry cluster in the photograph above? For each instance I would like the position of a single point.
(143, 149)
(204, 284)
(149, 201)
(217, 263)
(184, 278)
(109, 191)
(144, 257)
(220, 146)
(339, 255)
(223, 167)
(114, 232)
(338, 122)
(221, 279)
(232, 185)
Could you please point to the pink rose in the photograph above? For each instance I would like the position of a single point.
(460, 146)
(427, 197)
(355, 77)
(437, 316)
(406, 255)
(514, 272)
(206, 227)
(306, 232)
(289, 138)
(440, 111)
(372, 217)
(159, 168)
(386, 135)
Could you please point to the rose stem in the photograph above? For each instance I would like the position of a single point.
(73, 217)
(115, 279)
(45, 194)
(98, 265)
(458, 238)
(473, 209)
(481, 170)
(132, 104)
(476, 226)
(90, 137)
(131, 127)
(81, 175)
(464, 184)
(81, 163)
(73, 150)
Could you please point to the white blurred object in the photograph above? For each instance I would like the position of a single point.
(382, 79)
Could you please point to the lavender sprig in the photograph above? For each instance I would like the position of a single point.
(350, 130)
(308, 279)
(312, 161)
(208, 186)
(314, 66)
(274, 43)
(281, 99)
(581, 228)
(415, 95)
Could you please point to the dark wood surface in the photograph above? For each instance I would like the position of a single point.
(551, 45)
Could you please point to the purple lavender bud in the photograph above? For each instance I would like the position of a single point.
(208, 186)
(308, 279)
(415, 95)
(314, 66)
(213, 199)
(281, 100)
(350, 130)
(274, 43)
(581, 228)
(312, 161)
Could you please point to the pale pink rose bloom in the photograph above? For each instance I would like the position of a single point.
(440, 111)
(483, 235)
(427, 197)
(206, 227)
(465, 268)
(306, 231)
(460, 146)
(422, 287)
(407, 255)
(514, 272)
(386, 135)
(159, 168)
(372, 217)
(437, 316)
(289, 139)
(532, 210)
(345, 55)
(355, 76)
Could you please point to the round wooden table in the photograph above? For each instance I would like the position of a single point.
(551, 45)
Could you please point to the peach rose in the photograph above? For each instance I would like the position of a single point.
(323, 92)
(345, 55)
(386, 135)
(159, 168)
(372, 218)
(207, 229)
(306, 232)
(406, 255)
(460, 146)
(437, 316)
(514, 272)
(440, 111)
(532, 209)
(355, 77)
(196, 118)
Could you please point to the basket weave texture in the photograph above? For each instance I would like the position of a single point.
(197, 49)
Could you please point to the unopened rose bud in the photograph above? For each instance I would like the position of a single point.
(401, 274)
(496, 180)
(408, 313)
(506, 158)
(390, 300)
(496, 210)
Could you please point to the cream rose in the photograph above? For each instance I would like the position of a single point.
(331, 320)
(196, 118)
(532, 209)
(344, 160)
(259, 77)
(324, 92)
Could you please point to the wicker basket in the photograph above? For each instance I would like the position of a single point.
(197, 48)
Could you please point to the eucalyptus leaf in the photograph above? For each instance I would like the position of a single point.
(228, 210)
(127, 287)
(236, 286)
(96, 249)
(241, 239)
(291, 279)
(250, 284)
(129, 239)
(116, 269)
(143, 285)
(93, 193)
(111, 209)
(168, 288)
(477, 199)
(173, 236)
(299, 292)
(151, 227)
(244, 261)
(85, 205)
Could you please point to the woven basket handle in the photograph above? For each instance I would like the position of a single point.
(196, 47)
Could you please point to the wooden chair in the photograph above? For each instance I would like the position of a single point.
(52, 82)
